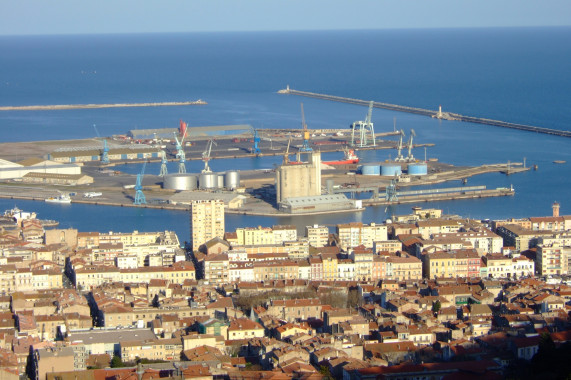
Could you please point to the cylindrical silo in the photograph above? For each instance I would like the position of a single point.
(232, 179)
(417, 169)
(391, 170)
(371, 169)
(220, 181)
(180, 181)
(208, 181)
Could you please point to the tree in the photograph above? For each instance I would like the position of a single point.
(116, 362)
(436, 306)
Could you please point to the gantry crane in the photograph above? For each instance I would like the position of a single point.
(366, 130)
(105, 152)
(180, 155)
(305, 147)
(399, 147)
(206, 156)
(410, 157)
(139, 196)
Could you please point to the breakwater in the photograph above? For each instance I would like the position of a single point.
(92, 106)
(425, 112)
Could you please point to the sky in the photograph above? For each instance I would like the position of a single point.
(32, 17)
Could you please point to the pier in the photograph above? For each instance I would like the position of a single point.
(425, 112)
(93, 106)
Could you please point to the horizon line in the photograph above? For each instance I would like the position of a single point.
(285, 30)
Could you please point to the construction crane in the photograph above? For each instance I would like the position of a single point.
(366, 130)
(305, 147)
(139, 196)
(180, 155)
(105, 153)
(399, 148)
(410, 157)
(256, 148)
(206, 156)
(164, 171)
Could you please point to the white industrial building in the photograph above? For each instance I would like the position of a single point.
(12, 170)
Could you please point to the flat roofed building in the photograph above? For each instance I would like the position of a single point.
(317, 203)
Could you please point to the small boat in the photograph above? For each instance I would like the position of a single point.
(559, 162)
(62, 198)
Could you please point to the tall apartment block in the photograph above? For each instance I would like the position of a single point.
(206, 221)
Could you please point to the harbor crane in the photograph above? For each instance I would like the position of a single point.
(139, 196)
(286, 154)
(164, 171)
(399, 156)
(256, 148)
(305, 147)
(365, 129)
(180, 155)
(206, 155)
(105, 152)
(410, 157)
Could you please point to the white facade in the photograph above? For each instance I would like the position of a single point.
(241, 271)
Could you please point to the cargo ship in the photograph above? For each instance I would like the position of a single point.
(349, 158)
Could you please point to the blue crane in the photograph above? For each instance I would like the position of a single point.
(256, 148)
(139, 196)
(105, 153)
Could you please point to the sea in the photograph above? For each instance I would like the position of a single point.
(518, 75)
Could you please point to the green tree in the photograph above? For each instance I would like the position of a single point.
(436, 306)
(116, 362)
(324, 370)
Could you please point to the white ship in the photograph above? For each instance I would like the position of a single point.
(62, 198)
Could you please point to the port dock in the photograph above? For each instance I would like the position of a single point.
(431, 113)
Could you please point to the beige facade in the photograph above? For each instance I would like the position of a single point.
(206, 221)
(318, 236)
(404, 268)
(275, 270)
(255, 236)
(356, 233)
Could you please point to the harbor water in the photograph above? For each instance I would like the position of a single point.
(518, 75)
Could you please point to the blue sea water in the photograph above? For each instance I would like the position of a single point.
(513, 74)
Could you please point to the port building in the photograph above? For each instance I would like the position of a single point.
(299, 180)
(230, 200)
(86, 154)
(318, 203)
(12, 170)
